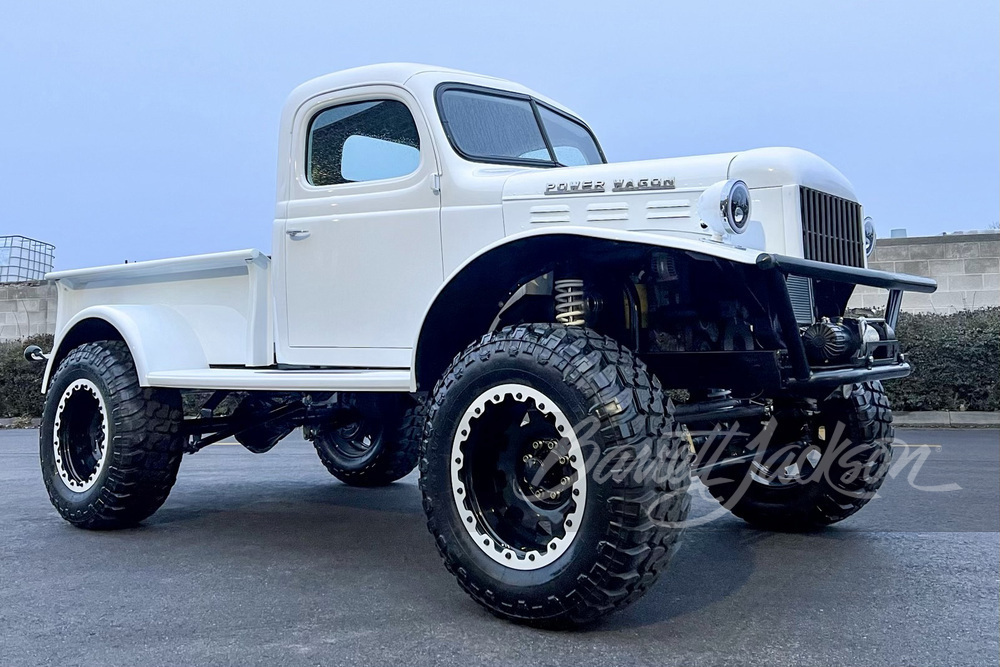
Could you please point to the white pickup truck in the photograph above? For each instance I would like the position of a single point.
(458, 276)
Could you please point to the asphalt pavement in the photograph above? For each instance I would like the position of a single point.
(267, 560)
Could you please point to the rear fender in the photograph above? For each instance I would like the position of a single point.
(158, 337)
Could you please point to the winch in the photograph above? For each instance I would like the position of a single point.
(838, 340)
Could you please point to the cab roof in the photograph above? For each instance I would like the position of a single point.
(400, 74)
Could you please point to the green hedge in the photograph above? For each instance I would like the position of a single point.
(955, 358)
(21, 380)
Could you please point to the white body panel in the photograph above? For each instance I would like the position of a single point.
(355, 244)
(352, 288)
(187, 312)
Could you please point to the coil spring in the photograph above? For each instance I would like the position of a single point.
(571, 302)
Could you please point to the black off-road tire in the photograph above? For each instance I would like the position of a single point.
(851, 470)
(400, 422)
(143, 443)
(631, 522)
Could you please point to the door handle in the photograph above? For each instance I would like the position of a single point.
(297, 234)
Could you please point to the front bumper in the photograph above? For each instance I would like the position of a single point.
(788, 371)
(894, 282)
(890, 363)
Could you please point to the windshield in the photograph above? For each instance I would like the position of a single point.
(500, 127)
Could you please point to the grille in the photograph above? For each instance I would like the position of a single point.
(800, 292)
(831, 229)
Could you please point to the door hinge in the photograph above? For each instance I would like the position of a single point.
(436, 183)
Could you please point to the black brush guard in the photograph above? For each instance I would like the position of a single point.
(787, 371)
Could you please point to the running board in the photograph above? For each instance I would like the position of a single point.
(269, 379)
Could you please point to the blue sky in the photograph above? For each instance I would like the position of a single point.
(134, 130)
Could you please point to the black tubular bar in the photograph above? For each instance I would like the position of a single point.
(892, 307)
(835, 378)
(789, 326)
(727, 414)
(224, 427)
(846, 274)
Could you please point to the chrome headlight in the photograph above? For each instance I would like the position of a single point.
(869, 236)
(725, 207)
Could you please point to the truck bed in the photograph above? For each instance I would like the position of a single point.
(190, 313)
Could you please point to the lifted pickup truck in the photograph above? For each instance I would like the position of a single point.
(460, 278)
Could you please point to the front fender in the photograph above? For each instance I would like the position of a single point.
(158, 337)
(482, 277)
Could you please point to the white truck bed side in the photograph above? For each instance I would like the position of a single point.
(180, 313)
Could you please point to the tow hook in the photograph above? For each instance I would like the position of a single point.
(35, 354)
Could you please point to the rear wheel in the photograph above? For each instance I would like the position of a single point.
(375, 442)
(832, 470)
(109, 448)
(531, 480)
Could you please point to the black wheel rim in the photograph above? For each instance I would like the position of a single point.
(357, 439)
(518, 477)
(80, 435)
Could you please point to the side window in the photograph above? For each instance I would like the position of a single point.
(572, 143)
(362, 141)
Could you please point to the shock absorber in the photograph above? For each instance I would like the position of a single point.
(571, 302)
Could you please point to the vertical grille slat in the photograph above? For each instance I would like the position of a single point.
(843, 239)
(859, 233)
(851, 239)
(828, 231)
(831, 228)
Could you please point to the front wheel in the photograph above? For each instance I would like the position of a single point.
(551, 485)
(830, 471)
(109, 448)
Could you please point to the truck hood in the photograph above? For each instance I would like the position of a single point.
(759, 168)
(661, 196)
(687, 173)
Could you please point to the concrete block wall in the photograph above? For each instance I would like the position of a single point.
(27, 309)
(966, 267)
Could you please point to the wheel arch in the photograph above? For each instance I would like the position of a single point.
(157, 337)
(466, 305)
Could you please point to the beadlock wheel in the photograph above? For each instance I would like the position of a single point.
(80, 435)
(530, 479)
(518, 477)
(109, 449)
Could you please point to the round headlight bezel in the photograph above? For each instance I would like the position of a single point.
(735, 206)
(870, 236)
(725, 207)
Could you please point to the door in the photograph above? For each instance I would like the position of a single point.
(362, 236)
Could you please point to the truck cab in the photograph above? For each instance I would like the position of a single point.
(459, 276)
